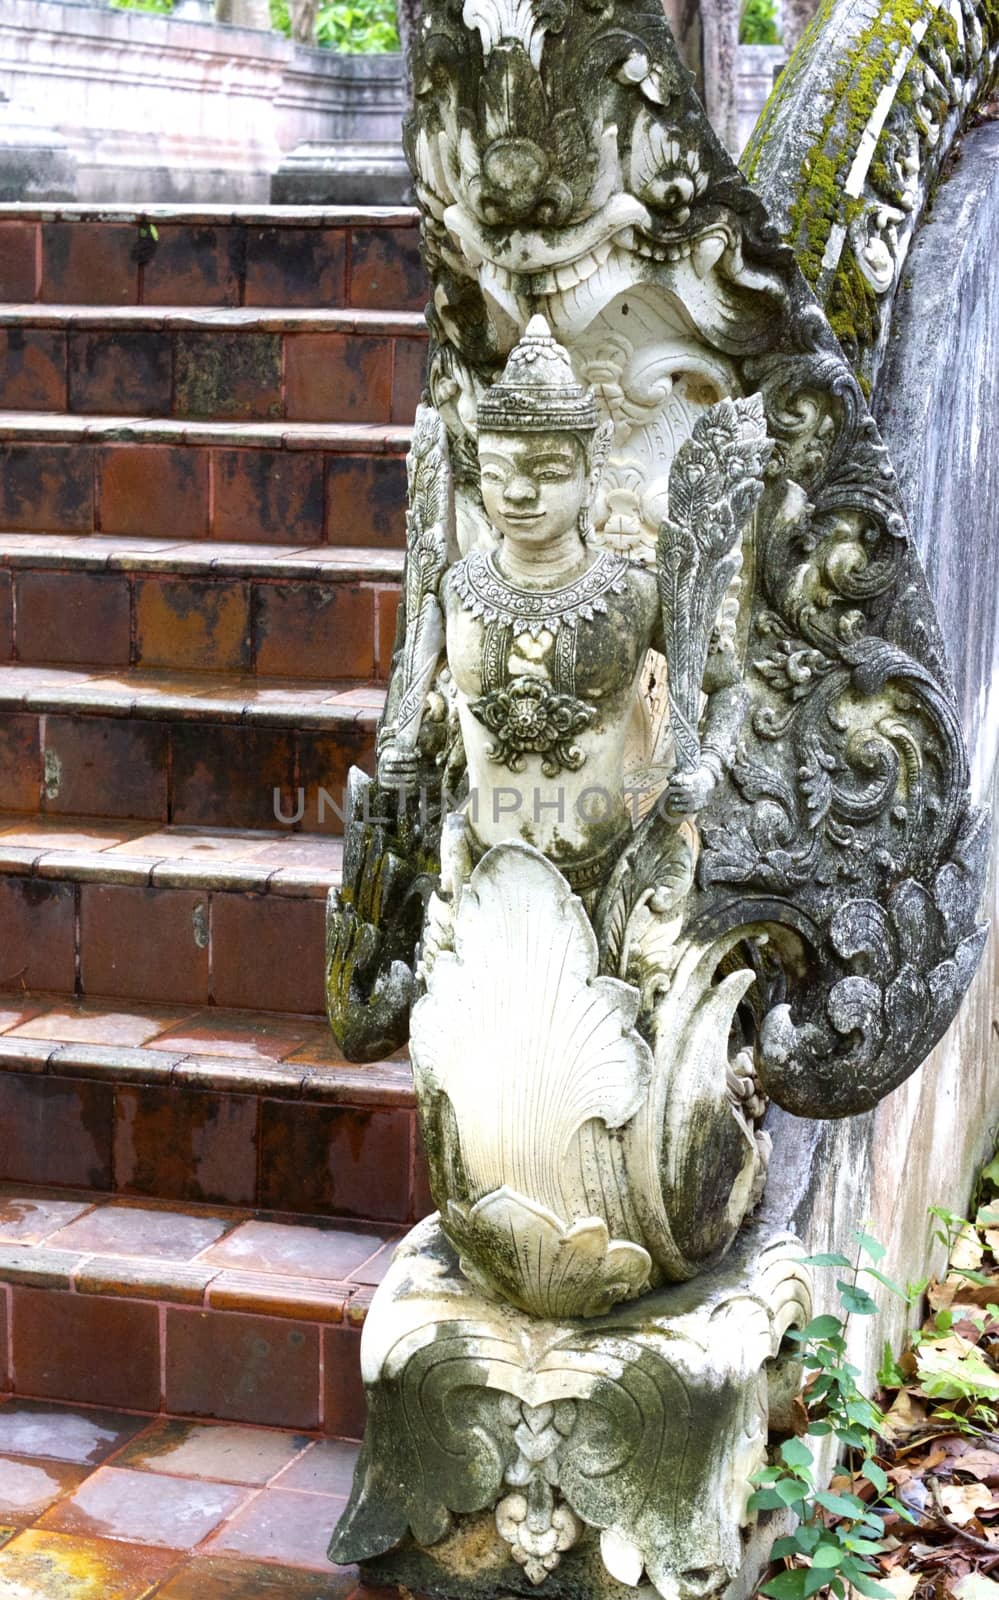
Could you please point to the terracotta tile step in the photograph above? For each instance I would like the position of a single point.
(319, 613)
(241, 364)
(118, 1505)
(236, 1108)
(187, 1310)
(208, 750)
(305, 483)
(363, 258)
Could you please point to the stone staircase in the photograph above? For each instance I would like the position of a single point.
(203, 421)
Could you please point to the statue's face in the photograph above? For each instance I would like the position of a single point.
(533, 484)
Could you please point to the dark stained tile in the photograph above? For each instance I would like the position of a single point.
(154, 490)
(83, 1435)
(18, 248)
(302, 267)
(338, 377)
(386, 270)
(241, 1368)
(33, 364)
(233, 375)
(47, 488)
(29, 1220)
(324, 762)
(171, 1513)
(188, 623)
(105, 767)
(37, 917)
(39, 1565)
(72, 618)
(27, 1488)
(314, 630)
(267, 951)
(86, 1347)
(58, 1130)
(192, 265)
(225, 776)
(89, 264)
(6, 617)
(183, 1144)
(348, 1160)
(120, 371)
(226, 1452)
(408, 378)
(20, 762)
(148, 944)
(268, 495)
(280, 1525)
(366, 501)
(346, 1408)
(126, 1230)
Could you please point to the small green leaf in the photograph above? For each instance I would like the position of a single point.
(788, 1585)
(841, 1505)
(796, 1454)
(828, 1555)
(791, 1490)
(826, 1327)
(856, 1299)
(875, 1474)
(787, 1546)
(828, 1259)
(860, 1575)
(817, 1579)
(888, 1283)
(765, 1500)
(871, 1246)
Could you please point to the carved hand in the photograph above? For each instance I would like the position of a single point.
(398, 767)
(688, 792)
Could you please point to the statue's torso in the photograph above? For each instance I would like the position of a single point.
(546, 703)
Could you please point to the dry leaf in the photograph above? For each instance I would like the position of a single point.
(962, 1500)
(981, 1464)
(975, 1586)
(900, 1583)
(951, 1368)
(905, 1414)
(968, 1250)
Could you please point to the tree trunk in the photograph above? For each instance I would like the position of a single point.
(303, 20)
(797, 15)
(244, 13)
(720, 33)
(407, 13)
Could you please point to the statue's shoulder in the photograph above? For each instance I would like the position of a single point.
(641, 584)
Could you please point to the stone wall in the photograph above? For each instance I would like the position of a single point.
(169, 110)
(938, 407)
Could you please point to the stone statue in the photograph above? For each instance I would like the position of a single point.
(669, 821)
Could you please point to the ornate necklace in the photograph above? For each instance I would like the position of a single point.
(484, 592)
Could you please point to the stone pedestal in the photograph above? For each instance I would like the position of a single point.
(364, 172)
(505, 1450)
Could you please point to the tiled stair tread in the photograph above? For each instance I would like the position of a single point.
(85, 848)
(176, 1509)
(292, 1057)
(213, 1256)
(263, 216)
(95, 552)
(217, 696)
(367, 438)
(257, 319)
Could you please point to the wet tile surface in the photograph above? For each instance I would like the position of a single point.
(26, 1220)
(99, 1506)
(299, 1251)
(132, 1231)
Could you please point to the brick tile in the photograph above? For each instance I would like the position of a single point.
(72, 618)
(131, 1230)
(344, 1392)
(338, 377)
(37, 917)
(280, 1525)
(124, 370)
(58, 1130)
(29, 1488)
(89, 263)
(33, 364)
(105, 767)
(386, 618)
(346, 1160)
(408, 377)
(327, 1467)
(183, 1144)
(303, 267)
(18, 246)
(323, 1253)
(26, 1220)
(324, 762)
(225, 776)
(366, 501)
(20, 762)
(385, 270)
(423, 1201)
(267, 951)
(83, 1437)
(314, 630)
(5, 1377)
(226, 1578)
(40, 1565)
(163, 1511)
(83, 1347)
(193, 266)
(267, 495)
(235, 1454)
(47, 488)
(154, 490)
(187, 622)
(6, 617)
(242, 1368)
(235, 375)
(149, 944)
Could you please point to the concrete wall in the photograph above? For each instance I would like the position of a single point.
(938, 407)
(759, 65)
(163, 109)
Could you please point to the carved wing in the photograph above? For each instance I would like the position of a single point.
(715, 482)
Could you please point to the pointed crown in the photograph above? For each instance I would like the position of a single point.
(538, 391)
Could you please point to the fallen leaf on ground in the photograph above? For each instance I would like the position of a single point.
(962, 1500)
(976, 1586)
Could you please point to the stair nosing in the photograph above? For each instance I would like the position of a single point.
(210, 319)
(47, 552)
(276, 217)
(342, 438)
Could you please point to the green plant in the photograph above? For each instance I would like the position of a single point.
(838, 1531)
(357, 27)
(758, 22)
(162, 8)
